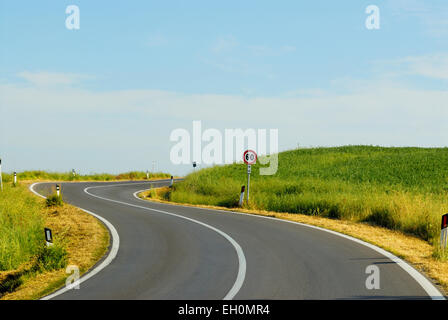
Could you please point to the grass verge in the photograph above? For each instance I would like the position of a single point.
(30, 270)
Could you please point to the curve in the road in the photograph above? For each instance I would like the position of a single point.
(164, 256)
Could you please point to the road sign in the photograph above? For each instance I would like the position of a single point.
(250, 157)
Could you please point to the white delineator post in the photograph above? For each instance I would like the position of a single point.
(147, 175)
(444, 231)
(15, 178)
(1, 179)
(242, 196)
(58, 190)
(48, 237)
(171, 181)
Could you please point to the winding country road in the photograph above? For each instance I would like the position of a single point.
(164, 251)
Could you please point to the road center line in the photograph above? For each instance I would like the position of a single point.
(239, 251)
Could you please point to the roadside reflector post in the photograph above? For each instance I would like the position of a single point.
(15, 178)
(48, 237)
(171, 182)
(195, 165)
(147, 175)
(73, 172)
(250, 158)
(444, 231)
(242, 196)
(58, 190)
(1, 179)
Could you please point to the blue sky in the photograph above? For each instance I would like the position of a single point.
(106, 97)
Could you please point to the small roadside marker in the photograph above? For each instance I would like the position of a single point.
(48, 237)
(58, 190)
(242, 196)
(444, 231)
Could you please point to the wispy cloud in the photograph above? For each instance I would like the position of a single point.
(433, 66)
(432, 15)
(51, 78)
(377, 113)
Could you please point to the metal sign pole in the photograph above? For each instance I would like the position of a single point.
(248, 181)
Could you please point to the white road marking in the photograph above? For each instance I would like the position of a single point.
(111, 256)
(430, 289)
(239, 251)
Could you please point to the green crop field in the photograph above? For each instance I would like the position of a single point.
(403, 189)
(68, 176)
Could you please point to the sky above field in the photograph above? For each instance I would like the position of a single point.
(106, 96)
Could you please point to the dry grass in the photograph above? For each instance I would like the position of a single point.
(414, 250)
(85, 239)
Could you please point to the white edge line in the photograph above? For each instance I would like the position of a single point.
(239, 251)
(430, 289)
(111, 256)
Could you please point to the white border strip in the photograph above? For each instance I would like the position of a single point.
(111, 256)
(241, 258)
(430, 289)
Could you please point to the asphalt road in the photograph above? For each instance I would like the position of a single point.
(175, 252)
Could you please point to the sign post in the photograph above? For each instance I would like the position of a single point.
(444, 232)
(250, 158)
(1, 179)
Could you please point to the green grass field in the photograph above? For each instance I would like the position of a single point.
(21, 227)
(68, 176)
(22, 222)
(403, 189)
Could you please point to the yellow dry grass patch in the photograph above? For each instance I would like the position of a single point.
(86, 240)
(415, 251)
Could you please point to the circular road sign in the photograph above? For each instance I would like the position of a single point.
(250, 157)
